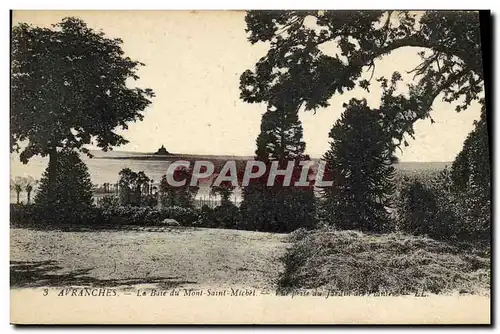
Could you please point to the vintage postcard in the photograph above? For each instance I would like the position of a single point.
(250, 167)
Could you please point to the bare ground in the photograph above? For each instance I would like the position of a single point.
(187, 257)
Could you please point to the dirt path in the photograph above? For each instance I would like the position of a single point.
(170, 258)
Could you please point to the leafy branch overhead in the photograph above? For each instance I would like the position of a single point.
(447, 42)
(69, 86)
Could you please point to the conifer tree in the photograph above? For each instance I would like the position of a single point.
(72, 189)
(360, 162)
(279, 208)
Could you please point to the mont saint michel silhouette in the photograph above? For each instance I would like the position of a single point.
(162, 151)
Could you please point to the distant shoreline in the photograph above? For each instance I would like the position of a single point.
(192, 157)
(176, 157)
(131, 155)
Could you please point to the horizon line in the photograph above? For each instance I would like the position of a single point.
(244, 155)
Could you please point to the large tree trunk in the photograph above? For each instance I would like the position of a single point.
(18, 192)
(29, 197)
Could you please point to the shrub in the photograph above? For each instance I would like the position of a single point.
(227, 215)
(206, 217)
(129, 215)
(277, 209)
(418, 208)
(150, 200)
(108, 201)
(22, 214)
(185, 216)
(147, 216)
(440, 210)
(41, 216)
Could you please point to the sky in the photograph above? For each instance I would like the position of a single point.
(193, 64)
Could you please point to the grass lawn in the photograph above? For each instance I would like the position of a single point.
(347, 261)
(184, 257)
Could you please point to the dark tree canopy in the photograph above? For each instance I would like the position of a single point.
(69, 87)
(448, 42)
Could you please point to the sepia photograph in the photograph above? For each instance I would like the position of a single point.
(250, 167)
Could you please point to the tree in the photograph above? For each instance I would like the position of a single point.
(29, 189)
(360, 157)
(471, 176)
(20, 184)
(142, 185)
(472, 165)
(182, 196)
(132, 186)
(30, 184)
(17, 185)
(279, 208)
(72, 186)
(281, 133)
(224, 190)
(69, 88)
(127, 185)
(447, 42)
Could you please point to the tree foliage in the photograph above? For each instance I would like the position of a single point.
(360, 163)
(133, 186)
(471, 175)
(69, 86)
(279, 208)
(182, 196)
(438, 208)
(224, 190)
(447, 42)
(72, 185)
(281, 135)
(471, 167)
(28, 187)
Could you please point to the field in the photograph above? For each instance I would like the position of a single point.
(145, 257)
(348, 261)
